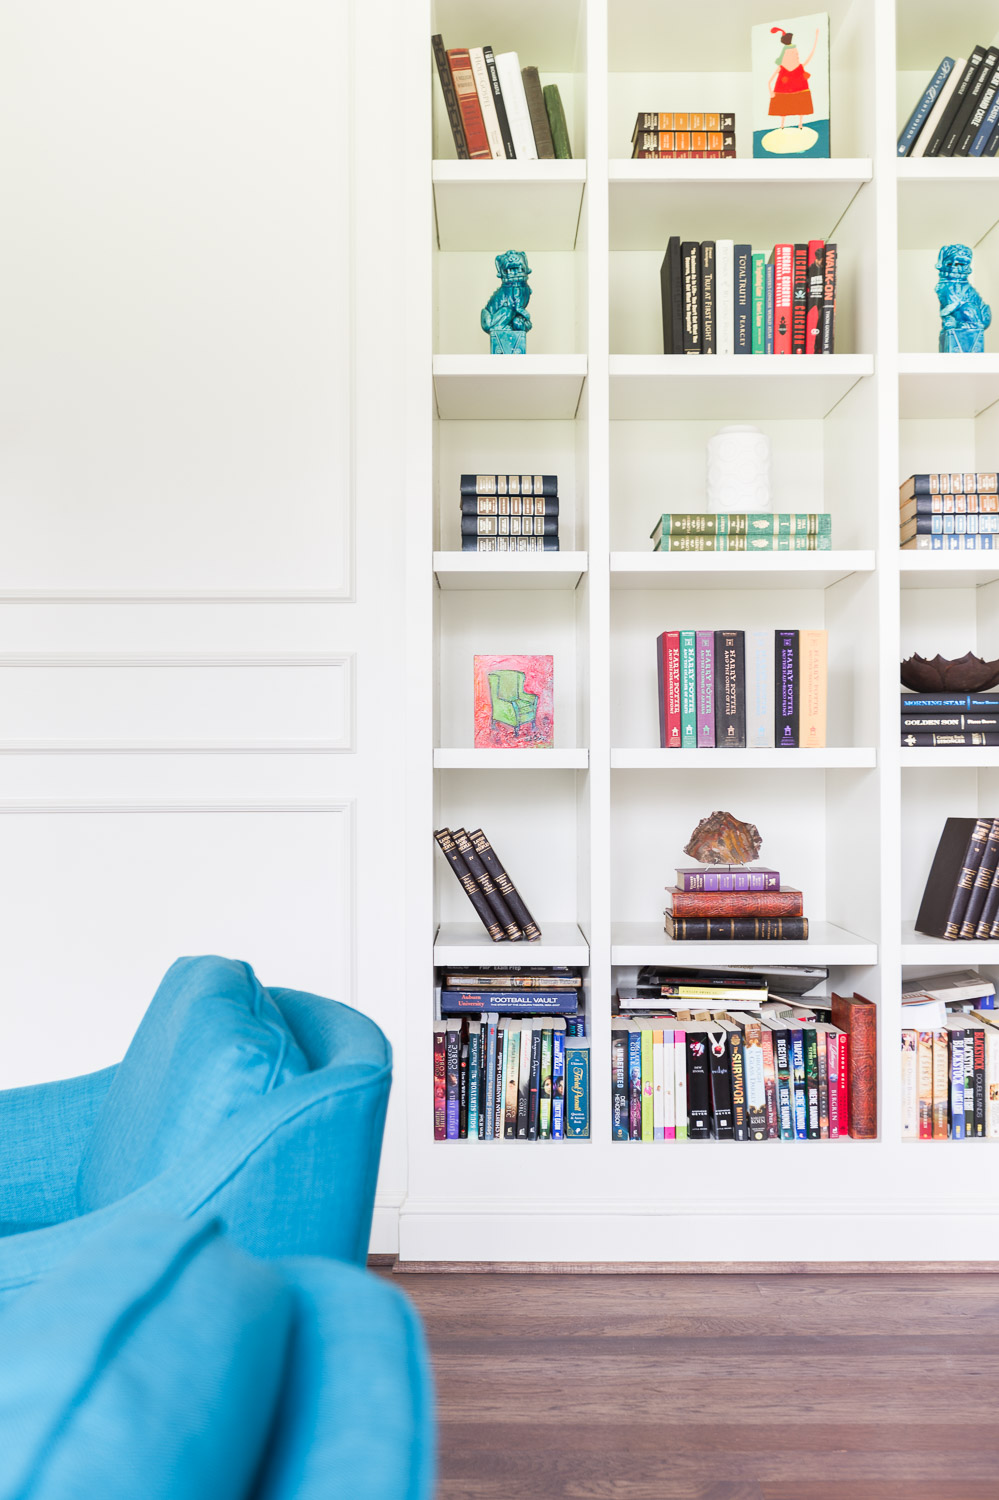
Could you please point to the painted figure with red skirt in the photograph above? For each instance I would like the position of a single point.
(788, 86)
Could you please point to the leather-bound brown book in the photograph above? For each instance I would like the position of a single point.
(858, 1017)
(786, 903)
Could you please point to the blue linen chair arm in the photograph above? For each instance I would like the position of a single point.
(43, 1129)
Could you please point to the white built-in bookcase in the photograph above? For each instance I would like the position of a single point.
(592, 830)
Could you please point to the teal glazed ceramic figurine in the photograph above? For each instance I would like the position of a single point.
(964, 317)
(505, 317)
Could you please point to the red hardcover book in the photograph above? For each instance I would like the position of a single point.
(786, 903)
(468, 102)
(815, 279)
(440, 1115)
(858, 1017)
(668, 659)
(799, 309)
(783, 263)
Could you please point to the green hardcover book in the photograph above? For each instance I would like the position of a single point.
(545, 1109)
(739, 523)
(647, 1083)
(577, 1088)
(759, 304)
(811, 1043)
(556, 120)
(688, 690)
(821, 542)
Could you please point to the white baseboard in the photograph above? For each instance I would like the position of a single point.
(385, 1227)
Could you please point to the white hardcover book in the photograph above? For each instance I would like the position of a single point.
(932, 120)
(724, 297)
(517, 113)
(669, 1086)
(680, 1078)
(658, 1097)
(759, 689)
(487, 104)
(910, 1085)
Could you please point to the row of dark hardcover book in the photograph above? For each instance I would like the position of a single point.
(509, 513)
(733, 689)
(958, 112)
(511, 1056)
(743, 531)
(683, 133)
(719, 297)
(948, 512)
(784, 1073)
(950, 719)
(950, 1079)
(496, 109)
(481, 875)
(961, 898)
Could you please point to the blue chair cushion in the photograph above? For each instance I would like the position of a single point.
(211, 1041)
(149, 1365)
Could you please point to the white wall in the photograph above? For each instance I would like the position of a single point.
(200, 517)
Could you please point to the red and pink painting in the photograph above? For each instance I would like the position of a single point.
(514, 702)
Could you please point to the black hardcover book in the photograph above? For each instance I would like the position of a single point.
(620, 1116)
(983, 883)
(827, 339)
(978, 1051)
(742, 296)
(990, 911)
(690, 256)
(947, 723)
(786, 681)
(970, 103)
(992, 144)
(952, 875)
(509, 526)
(815, 296)
(499, 1101)
(709, 338)
(809, 1037)
(450, 97)
(543, 142)
(913, 740)
(463, 1082)
(721, 1085)
(502, 119)
(799, 300)
(486, 884)
(730, 689)
(469, 884)
(509, 484)
(740, 1120)
(534, 1092)
(511, 895)
(509, 505)
(978, 114)
(671, 286)
(955, 102)
(698, 1087)
(509, 544)
(735, 929)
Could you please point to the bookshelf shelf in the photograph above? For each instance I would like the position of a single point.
(729, 387)
(510, 760)
(958, 190)
(768, 201)
(961, 570)
(931, 952)
(468, 943)
(528, 387)
(476, 202)
(736, 570)
(936, 386)
(939, 757)
(509, 570)
(843, 759)
(646, 943)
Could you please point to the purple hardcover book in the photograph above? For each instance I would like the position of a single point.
(733, 878)
(705, 690)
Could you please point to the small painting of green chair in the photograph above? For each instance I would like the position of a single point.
(510, 704)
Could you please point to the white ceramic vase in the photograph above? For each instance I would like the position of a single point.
(738, 470)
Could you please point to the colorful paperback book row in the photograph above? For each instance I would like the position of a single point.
(961, 898)
(741, 903)
(958, 111)
(783, 1074)
(496, 109)
(743, 531)
(665, 135)
(948, 512)
(509, 512)
(518, 1066)
(739, 689)
(721, 298)
(498, 903)
(950, 1079)
(949, 719)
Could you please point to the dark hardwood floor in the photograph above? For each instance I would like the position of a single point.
(741, 1387)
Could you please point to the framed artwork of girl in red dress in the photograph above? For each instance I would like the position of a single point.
(791, 87)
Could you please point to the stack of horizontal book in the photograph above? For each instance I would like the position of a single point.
(743, 531)
(721, 298)
(509, 513)
(958, 112)
(711, 903)
(498, 109)
(683, 133)
(950, 719)
(485, 882)
(511, 1058)
(739, 689)
(948, 512)
(764, 1069)
(961, 898)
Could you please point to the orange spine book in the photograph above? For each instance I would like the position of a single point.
(924, 1076)
(813, 666)
(941, 1084)
(467, 95)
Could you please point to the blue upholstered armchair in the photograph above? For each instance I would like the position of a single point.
(261, 1108)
